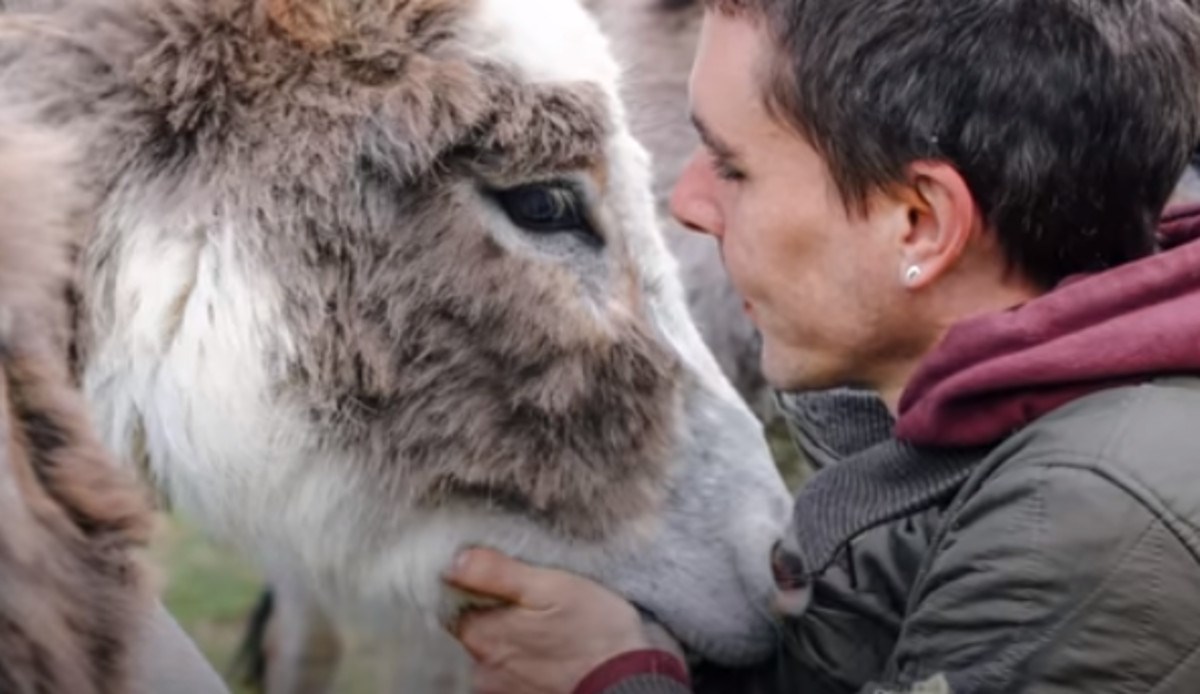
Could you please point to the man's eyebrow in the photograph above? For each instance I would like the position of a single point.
(719, 148)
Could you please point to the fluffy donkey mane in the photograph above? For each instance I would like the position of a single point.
(71, 523)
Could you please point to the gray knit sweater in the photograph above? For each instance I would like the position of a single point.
(828, 427)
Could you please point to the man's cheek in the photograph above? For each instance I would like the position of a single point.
(745, 273)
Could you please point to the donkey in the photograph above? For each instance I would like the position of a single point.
(368, 282)
(72, 587)
(654, 41)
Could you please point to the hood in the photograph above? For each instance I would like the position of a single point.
(994, 374)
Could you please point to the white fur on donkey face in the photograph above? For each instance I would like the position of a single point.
(185, 381)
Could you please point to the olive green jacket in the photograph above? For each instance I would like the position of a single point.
(1069, 561)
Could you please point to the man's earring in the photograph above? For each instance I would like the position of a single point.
(912, 274)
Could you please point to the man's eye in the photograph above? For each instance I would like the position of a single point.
(544, 208)
(727, 172)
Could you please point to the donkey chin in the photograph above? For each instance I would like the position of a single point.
(691, 549)
(698, 563)
(659, 486)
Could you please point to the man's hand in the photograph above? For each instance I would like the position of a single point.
(556, 628)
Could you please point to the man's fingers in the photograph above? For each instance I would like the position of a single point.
(491, 574)
(468, 633)
(483, 634)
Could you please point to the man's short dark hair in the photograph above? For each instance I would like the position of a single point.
(1070, 120)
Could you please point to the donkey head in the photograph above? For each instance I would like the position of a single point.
(369, 281)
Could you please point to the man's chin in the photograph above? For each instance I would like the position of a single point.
(786, 377)
(797, 374)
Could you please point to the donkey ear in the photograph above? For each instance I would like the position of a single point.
(310, 23)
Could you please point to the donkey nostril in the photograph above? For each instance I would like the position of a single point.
(791, 581)
(788, 569)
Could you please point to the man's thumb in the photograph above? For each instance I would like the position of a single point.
(490, 574)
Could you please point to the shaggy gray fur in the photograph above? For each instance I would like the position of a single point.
(72, 589)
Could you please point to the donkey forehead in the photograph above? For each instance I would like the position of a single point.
(542, 69)
(548, 40)
(545, 40)
(413, 80)
(558, 53)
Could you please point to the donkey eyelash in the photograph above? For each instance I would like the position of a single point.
(551, 207)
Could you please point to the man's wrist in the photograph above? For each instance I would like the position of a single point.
(646, 661)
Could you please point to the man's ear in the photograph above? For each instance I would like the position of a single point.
(942, 218)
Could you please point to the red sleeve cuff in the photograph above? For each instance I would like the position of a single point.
(631, 664)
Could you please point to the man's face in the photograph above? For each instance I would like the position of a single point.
(820, 282)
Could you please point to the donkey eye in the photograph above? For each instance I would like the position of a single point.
(546, 208)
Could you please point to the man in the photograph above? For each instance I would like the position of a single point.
(952, 203)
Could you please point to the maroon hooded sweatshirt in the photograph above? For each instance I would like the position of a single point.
(994, 374)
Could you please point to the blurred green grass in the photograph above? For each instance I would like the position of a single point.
(209, 590)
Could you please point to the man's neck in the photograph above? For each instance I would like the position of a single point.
(953, 306)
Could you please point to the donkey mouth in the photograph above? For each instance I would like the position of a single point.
(787, 569)
(661, 637)
(792, 603)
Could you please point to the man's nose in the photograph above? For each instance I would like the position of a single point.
(693, 202)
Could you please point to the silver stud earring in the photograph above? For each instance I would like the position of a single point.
(912, 274)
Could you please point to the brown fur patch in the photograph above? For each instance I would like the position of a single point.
(70, 587)
(310, 23)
